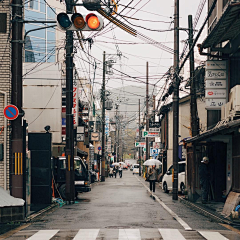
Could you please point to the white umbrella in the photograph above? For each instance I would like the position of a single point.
(115, 164)
(152, 162)
(122, 163)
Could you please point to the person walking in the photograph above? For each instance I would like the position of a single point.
(152, 179)
(204, 178)
(120, 170)
(115, 171)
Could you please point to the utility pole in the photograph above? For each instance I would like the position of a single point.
(193, 111)
(139, 135)
(147, 120)
(193, 100)
(176, 100)
(70, 190)
(103, 120)
(16, 168)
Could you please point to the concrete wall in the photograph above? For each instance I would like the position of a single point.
(184, 124)
(5, 83)
(42, 99)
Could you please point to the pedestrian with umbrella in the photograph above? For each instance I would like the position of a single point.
(152, 172)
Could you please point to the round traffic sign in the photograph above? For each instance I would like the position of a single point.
(11, 112)
(99, 148)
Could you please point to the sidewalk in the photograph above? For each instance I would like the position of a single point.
(212, 210)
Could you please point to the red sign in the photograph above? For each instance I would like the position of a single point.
(11, 112)
(210, 93)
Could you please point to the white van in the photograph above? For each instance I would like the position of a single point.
(167, 178)
(135, 168)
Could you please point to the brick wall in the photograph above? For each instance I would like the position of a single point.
(5, 81)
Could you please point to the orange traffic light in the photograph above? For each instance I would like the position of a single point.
(92, 21)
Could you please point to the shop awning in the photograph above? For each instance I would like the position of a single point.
(221, 128)
(227, 28)
(81, 152)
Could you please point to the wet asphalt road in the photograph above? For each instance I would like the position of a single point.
(122, 203)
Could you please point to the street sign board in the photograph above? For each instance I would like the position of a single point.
(154, 124)
(156, 145)
(150, 134)
(154, 151)
(99, 148)
(80, 137)
(11, 112)
(140, 144)
(154, 129)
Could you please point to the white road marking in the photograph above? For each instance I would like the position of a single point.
(171, 234)
(174, 215)
(212, 235)
(129, 234)
(87, 234)
(43, 234)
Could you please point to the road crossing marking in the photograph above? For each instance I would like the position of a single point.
(87, 234)
(129, 234)
(43, 234)
(171, 234)
(121, 234)
(212, 235)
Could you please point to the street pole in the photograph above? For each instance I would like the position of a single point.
(176, 100)
(16, 168)
(147, 120)
(194, 114)
(193, 100)
(103, 120)
(139, 133)
(70, 190)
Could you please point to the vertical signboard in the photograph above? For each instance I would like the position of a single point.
(216, 84)
(107, 125)
(75, 103)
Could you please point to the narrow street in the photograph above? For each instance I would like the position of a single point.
(122, 209)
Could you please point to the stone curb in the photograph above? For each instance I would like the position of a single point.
(215, 217)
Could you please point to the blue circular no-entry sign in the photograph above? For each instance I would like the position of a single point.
(11, 112)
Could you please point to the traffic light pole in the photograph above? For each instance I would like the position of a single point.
(70, 190)
(16, 168)
(175, 101)
(103, 121)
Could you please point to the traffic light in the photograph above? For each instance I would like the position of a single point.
(79, 22)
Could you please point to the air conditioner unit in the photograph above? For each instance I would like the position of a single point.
(234, 100)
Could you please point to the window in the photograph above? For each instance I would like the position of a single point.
(34, 4)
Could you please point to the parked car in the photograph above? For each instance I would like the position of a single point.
(167, 178)
(135, 168)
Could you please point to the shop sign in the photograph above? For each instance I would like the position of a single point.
(215, 84)
(216, 74)
(75, 103)
(95, 136)
(215, 104)
(215, 93)
(216, 64)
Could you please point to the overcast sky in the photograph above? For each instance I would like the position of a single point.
(152, 14)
